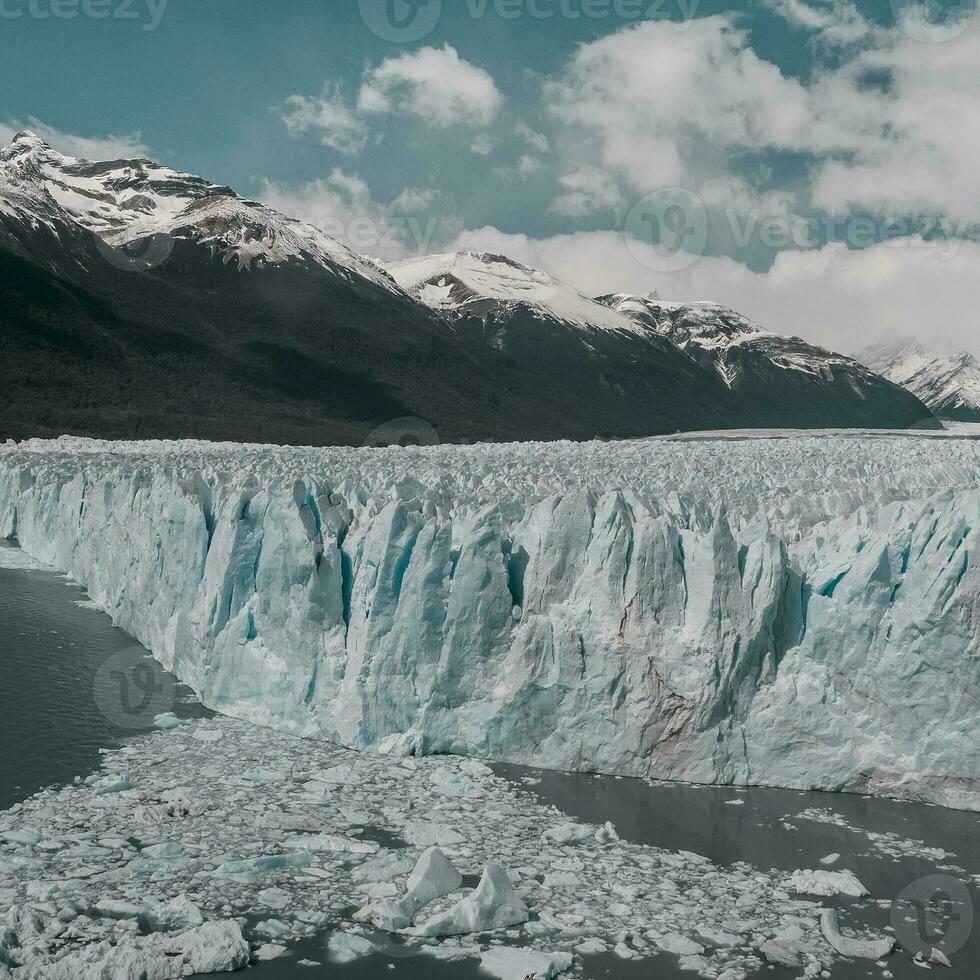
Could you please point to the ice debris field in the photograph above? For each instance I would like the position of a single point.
(214, 842)
(797, 612)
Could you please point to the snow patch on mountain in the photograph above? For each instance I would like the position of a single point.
(719, 333)
(456, 280)
(949, 385)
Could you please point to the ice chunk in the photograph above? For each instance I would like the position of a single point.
(167, 721)
(674, 942)
(215, 947)
(871, 949)
(176, 915)
(345, 947)
(493, 904)
(826, 884)
(782, 952)
(512, 963)
(569, 833)
(433, 877)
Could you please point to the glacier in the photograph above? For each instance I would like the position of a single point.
(799, 612)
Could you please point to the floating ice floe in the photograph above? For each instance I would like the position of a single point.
(826, 883)
(871, 949)
(81, 873)
(509, 963)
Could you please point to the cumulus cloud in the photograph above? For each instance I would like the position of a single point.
(329, 116)
(912, 145)
(434, 84)
(651, 106)
(116, 146)
(586, 191)
(893, 127)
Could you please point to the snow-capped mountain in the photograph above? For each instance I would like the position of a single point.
(142, 301)
(950, 385)
(125, 201)
(635, 380)
(776, 377)
(468, 280)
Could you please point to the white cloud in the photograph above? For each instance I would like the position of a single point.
(434, 84)
(912, 147)
(116, 146)
(482, 145)
(834, 22)
(651, 107)
(586, 191)
(841, 298)
(343, 207)
(327, 115)
(537, 141)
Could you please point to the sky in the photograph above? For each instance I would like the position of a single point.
(811, 163)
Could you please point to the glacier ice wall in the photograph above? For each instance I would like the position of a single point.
(797, 612)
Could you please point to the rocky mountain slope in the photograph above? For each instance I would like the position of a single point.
(775, 377)
(637, 380)
(949, 386)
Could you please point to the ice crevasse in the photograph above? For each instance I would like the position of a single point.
(798, 612)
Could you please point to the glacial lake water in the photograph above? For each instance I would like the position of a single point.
(71, 684)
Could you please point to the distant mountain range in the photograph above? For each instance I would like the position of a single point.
(138, 301)
(949, 386)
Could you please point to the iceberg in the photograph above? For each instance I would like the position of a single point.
(493, 904)
(794, 612)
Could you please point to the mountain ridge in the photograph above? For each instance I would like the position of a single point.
(141, 301)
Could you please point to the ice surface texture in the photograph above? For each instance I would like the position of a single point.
(797, 612)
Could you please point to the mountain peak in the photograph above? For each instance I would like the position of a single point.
(24, 143)
(26, 136)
